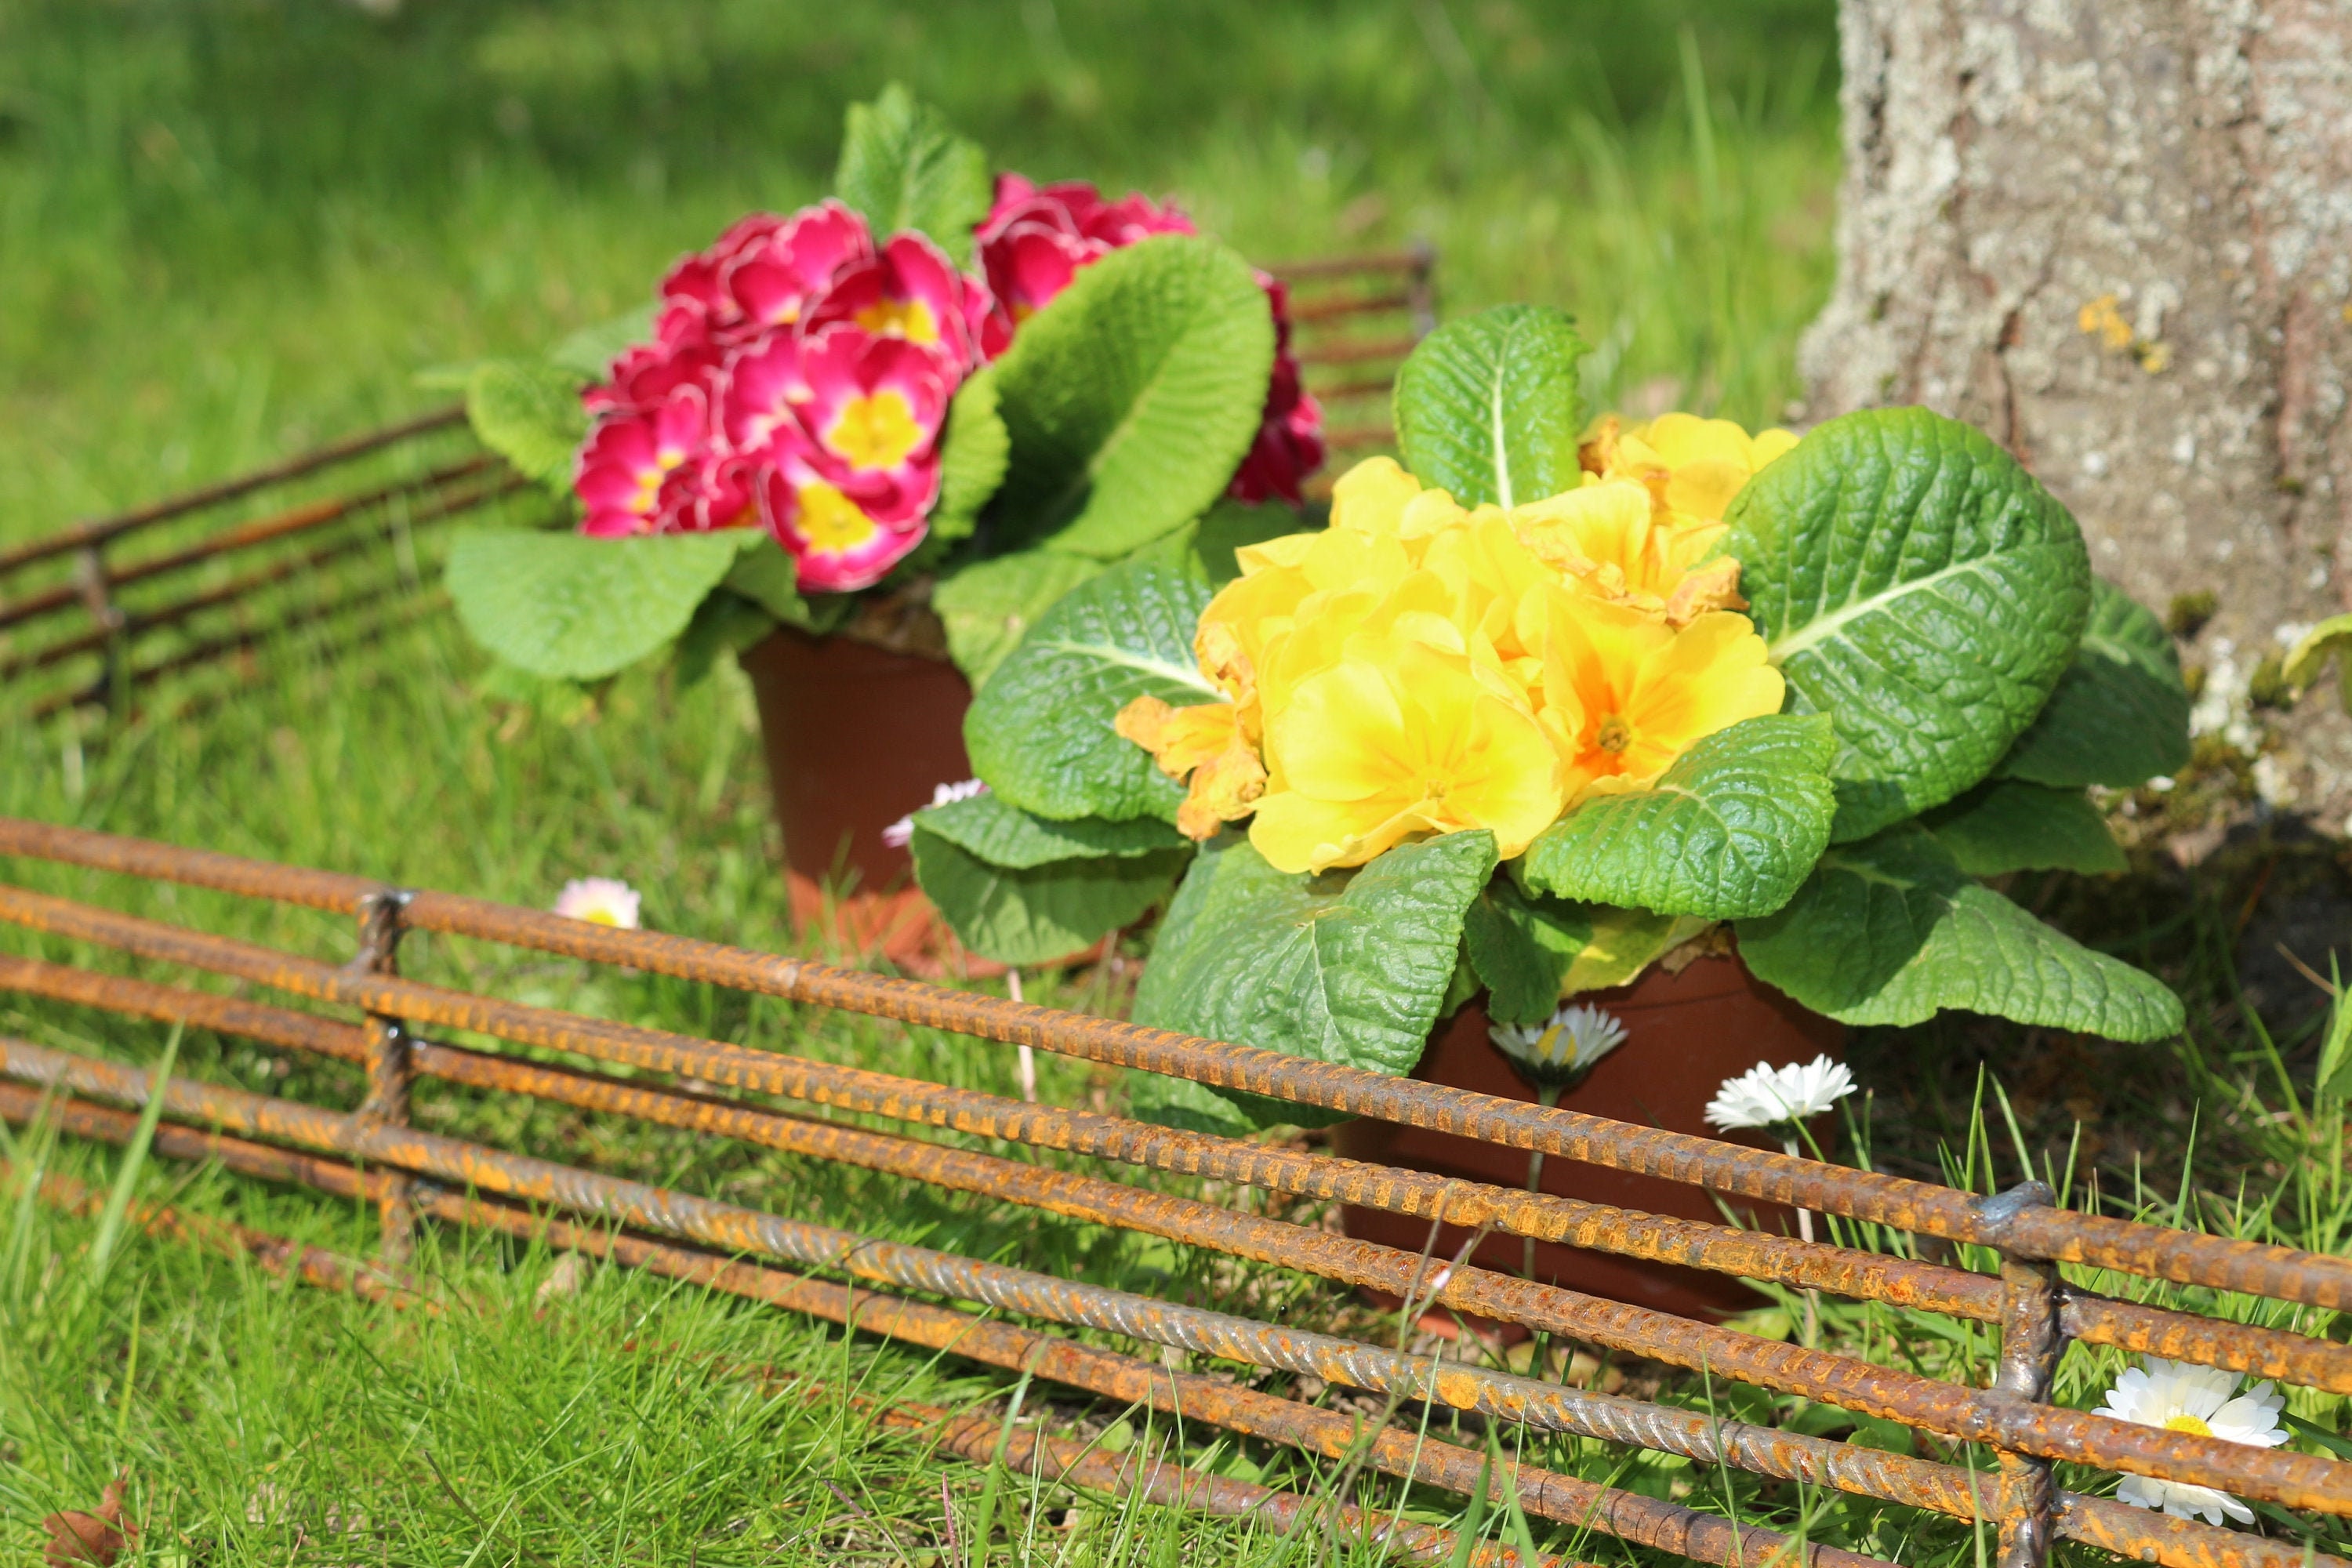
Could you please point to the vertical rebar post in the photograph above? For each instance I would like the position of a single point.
(391, 1063)
(2031, 1343)
(111, 689)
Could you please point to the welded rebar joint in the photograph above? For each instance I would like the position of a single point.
(2032, 1341)
(391, 1056)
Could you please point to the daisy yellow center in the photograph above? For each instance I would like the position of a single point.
(601, 917)
(1615, 734)
(908, 319)
(875, 430)
(2185, 1421)
(831, 522)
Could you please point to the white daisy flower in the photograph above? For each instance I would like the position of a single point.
(1563, 1048)
(601, 900)
(901, 833)
(2181, 1396)
(1765, 1095)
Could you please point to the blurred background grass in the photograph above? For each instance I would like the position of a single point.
(231, 227)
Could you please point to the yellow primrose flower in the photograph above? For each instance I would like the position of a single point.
(1378, 497)
(1610, 540)
(1204, 742)
(1394, 741)
(1692, 466)
(1625, 694)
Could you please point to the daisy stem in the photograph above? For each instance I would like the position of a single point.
(1547, 1096)
(1805, 1230)
(1028, 1066)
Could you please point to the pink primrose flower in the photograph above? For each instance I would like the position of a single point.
(837, 541)
(654, 471)
(772, 283)
(908, 290)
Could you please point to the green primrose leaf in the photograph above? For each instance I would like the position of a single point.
(1131, 398)
(1731, 829)
(1487, 407)
(903, 166)
(1522, 947)
(973, 455)
(1040, 730)
(567, 606)
(990, 828)
(2120, 714)
(1038, 912)
(1891, 931)
(1920, 588)
(989, 606)
(1345, 967)
(529, 412)
(2007, 824)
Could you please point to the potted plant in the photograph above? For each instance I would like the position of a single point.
(1718, 735)
(862, 448)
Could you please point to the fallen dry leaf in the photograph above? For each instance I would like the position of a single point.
(90, 1538)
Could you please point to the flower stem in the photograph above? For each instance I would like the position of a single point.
(1547, 1096)
(1027, 1066)
(1805, 1230)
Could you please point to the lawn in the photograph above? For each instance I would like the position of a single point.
(232, 229)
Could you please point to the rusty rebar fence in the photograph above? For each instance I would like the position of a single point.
(717, 1089)
(92, 616)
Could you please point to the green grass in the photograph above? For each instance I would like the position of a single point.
(234, 228)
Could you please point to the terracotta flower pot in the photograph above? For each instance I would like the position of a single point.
(1685, 1033)
(857, 735)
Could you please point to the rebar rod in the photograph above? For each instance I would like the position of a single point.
(2293, 1479)
(2261, 1352)
(2058, 1236)
(83, 535)
(245, 535)
(1914, 1482)
(2100, 1522)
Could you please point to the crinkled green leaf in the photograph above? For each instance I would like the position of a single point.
(1180, 1102)
(764, 573)
(1891, 931)
(1341, 968)
(1132, 397)
(1521, 946)
(989, 606)
(973, 458)
(1040, 730)
(1623, 943)
(1003, 834)
(1037, 913)
(565, 605)
(2007, 824)
(529, 412)
(1918, 586)
(2120, 714)
(592, 349)
(1487, 406)
(903, 166)
(725, 623)
(1731, 829)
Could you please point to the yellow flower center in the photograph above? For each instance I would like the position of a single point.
(831, 522)
(601, 917)
(875, 430)
(2191, 1425)
(908, 319)
(1615, 734)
